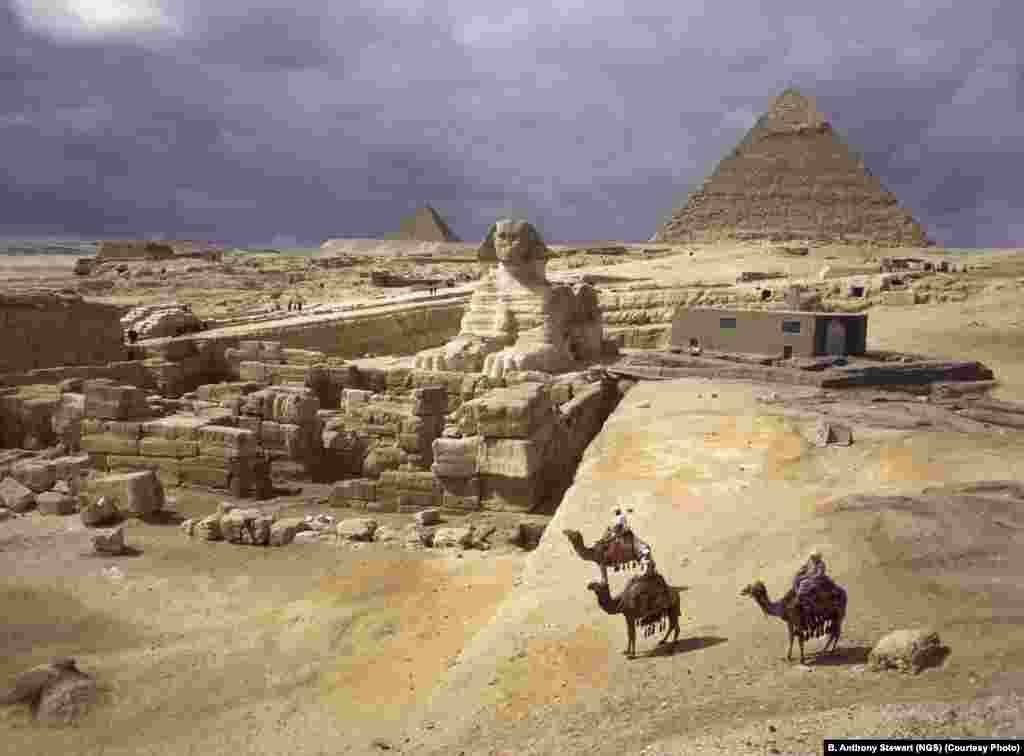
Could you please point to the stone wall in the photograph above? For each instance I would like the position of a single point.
(40, 330)
(130, 249)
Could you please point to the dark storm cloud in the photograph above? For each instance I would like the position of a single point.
(247, 120)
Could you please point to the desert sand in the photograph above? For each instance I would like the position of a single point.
(324, 649)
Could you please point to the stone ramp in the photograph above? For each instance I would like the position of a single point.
(726, 491)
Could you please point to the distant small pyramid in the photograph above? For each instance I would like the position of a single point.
(790, 178)
(424, 225)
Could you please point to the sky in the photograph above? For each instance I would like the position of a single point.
(254, 122)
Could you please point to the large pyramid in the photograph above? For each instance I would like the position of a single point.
(792, 178)
(424, 225)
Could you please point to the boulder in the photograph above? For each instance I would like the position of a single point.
(828, 433)
(907, 651)
(56, 503)
(246, 526)
(208, 528)
(527, 535)
(189, 527)
(416, 536)
(357, 529)
(386, 534)
(110, 541)
(29, 685)
(145, 493)
(15, 496)
(99, 512)
(6, 514)
(428, 517)
(307, 537)
(283, 531)
(37, 475)
(447, 538)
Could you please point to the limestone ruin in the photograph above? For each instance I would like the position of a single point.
(791, 177)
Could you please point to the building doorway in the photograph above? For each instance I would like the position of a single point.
(835, 338)
(787, 351)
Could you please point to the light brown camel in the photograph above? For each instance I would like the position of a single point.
(823, 614)
(647, 600)
(605, 551)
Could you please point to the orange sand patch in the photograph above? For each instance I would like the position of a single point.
(399, 658)
(899, 463)
(782, 447)
(555, 671)
(630, 457)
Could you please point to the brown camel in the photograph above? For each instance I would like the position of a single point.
(822, 615)
(647, 600)
(620, 553)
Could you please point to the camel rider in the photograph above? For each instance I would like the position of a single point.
(809, 575)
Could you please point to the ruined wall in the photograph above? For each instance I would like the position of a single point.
(131, 249)
(40, 330)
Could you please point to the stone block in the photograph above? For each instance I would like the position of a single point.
(137, 493)
(208, 528)
(131, 429)
(154, 446)
(255, 372)
(462, 494)
(219, 392)
(409, 481)
(429, 400)
(222, 436)
(514, 412)
(397, 379)
(38, 475)
(510, 457)
(283, 531)
(455, 457)
(381, 458)
(109, 541)
(175, 427)
(15, 496)
(251, 423)
(108, 443)
(357, 529)
(55, 503)
(428, 517)
(107, 401)
(449, 538)
(246, 526)
(71, 469)
(345, 491)
(98, 512)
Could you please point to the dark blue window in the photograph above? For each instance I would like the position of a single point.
(727, 323)
(791, 326)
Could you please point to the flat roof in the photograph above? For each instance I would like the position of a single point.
(813, 313)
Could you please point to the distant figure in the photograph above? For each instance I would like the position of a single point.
(298, 303)
(133, 336)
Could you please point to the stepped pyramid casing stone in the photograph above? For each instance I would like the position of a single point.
(791, 177)
(425, 225)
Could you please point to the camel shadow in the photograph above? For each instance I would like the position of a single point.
(685, 646)
(163, 517)
(127, 551)
(841, 657)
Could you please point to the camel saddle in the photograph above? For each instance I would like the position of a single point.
(621, 548)
(817, 595)
(655, 599)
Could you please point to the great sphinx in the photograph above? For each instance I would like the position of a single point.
(517, 320)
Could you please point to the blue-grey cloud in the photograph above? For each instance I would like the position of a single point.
(250, 120)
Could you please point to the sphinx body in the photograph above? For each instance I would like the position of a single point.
(516, 318)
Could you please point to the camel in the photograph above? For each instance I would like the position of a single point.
(647, 600)
(826, 617)
(626, 557)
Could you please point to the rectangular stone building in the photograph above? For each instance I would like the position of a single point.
(769, 332)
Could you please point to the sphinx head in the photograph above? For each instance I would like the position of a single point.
(513, 242)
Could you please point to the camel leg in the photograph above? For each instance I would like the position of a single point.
(800, 638)
(631, 632)
(604, 572)
(789, 653)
